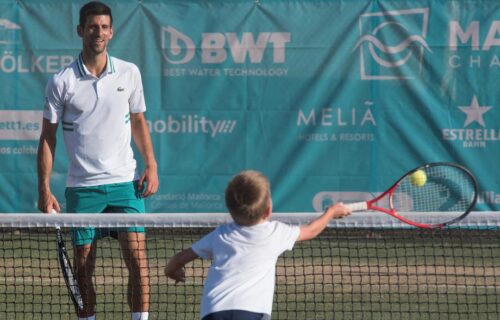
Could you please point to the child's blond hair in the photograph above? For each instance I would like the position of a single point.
(248, 195)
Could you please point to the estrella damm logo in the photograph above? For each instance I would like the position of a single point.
(392, 44)
(475, 132)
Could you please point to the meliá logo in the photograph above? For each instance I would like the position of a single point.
(338, 124)
(217, 48)
(192, 124)
(474, 133)
(394, 41)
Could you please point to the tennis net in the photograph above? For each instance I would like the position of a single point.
(366, 266)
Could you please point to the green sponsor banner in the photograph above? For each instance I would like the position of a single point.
(333, 100)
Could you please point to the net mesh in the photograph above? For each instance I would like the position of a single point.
(367, 266)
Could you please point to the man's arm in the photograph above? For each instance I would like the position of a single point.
(45, 160)
(175, 266)
(315, 227)
(142, 139)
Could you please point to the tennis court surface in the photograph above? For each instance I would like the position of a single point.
(367, 266)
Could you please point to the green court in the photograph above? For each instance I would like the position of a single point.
(343, 274)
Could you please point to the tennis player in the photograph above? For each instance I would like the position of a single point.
(100, 102)
(240, 282)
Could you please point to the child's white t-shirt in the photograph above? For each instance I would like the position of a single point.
(242, 273)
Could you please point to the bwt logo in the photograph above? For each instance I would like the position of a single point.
(392, 44)
(217, 48)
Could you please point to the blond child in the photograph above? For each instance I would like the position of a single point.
(240, 282)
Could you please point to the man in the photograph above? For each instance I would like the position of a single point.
(100, 102)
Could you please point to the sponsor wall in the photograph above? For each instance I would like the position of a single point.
(333, 100)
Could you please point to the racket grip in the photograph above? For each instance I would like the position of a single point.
(358, 206)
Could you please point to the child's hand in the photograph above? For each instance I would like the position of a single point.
(339, 211)
(178, 275)
(311, 230)
(175, 266)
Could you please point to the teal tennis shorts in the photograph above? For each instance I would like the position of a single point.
(109, 198)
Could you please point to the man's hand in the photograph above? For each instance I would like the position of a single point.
(148, 182)
(45, 160)
(47, 202)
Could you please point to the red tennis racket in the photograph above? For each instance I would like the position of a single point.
(434, 195)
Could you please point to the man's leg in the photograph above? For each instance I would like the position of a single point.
(84, 262)
(85, 200)
(126, 198)
(133, 245)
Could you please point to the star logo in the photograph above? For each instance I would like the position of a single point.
(474, 112)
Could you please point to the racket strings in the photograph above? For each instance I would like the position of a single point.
(446, 189)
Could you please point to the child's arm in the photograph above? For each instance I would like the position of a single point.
(175, 266)
(315, 227)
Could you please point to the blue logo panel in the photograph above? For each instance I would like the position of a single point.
(333, 100)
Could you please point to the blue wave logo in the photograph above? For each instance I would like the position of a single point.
(392, 44)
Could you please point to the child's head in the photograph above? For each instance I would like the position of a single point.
(248, 197)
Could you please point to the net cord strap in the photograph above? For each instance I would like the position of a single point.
(180, 220)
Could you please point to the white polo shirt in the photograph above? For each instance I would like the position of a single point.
(242, 273)
(95, 116)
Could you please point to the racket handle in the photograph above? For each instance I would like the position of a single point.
(358, 206)
(58, 227)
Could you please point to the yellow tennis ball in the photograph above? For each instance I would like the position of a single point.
(418, 178)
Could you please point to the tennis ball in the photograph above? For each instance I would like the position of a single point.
(418, 178)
